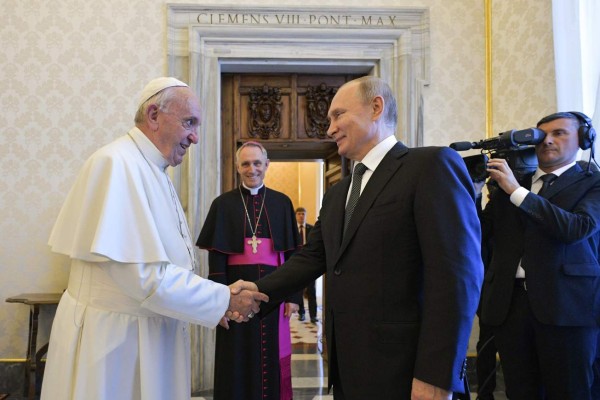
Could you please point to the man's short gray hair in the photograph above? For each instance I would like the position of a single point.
(370, 87)
(250, 144)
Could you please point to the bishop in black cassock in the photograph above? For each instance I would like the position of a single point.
(252, 359)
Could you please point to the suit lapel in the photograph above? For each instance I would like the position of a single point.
(385, 170)
(338, 201)
(566, 179)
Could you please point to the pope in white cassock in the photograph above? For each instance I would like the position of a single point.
(121, 327)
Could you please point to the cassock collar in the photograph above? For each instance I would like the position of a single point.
(253, 191)
(148, 149)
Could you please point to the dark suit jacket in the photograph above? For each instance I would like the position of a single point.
(557, 238)
(403, 283)
(308, 228)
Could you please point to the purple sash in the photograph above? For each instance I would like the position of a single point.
(264, 255)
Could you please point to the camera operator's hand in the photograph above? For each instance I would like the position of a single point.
(502, 174)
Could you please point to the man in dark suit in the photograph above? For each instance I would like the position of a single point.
(404, 274)
(542, 289)
(311, 289)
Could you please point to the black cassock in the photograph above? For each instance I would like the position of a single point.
(247, 364)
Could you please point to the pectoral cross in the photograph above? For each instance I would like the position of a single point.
(254, 242)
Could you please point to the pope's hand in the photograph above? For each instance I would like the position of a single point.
(224, 322)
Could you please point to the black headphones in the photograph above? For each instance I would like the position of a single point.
(586, 132)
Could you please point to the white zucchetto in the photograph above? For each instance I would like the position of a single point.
(157, 85)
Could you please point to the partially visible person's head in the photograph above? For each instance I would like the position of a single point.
(561, 144)
(169, 115)
(251, 162)
(362, 113)
(301, 215)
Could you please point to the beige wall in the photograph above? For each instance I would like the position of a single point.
(283, 176)
(311, 182)
(523, 63)
(301, 181)
(70, 71)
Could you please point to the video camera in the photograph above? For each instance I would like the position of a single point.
(515, 146)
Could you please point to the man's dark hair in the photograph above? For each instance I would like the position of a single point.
(558, 115)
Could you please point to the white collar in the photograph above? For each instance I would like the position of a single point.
(148, 149)
(376, 154)
(558, 172)
(253, 191)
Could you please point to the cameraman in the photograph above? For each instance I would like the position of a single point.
(541, 293)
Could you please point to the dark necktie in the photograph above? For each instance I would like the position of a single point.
(547, 181)
(301, 230)
(359, 170)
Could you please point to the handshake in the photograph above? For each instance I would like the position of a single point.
(244, 302)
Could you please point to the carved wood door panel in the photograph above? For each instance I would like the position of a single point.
(287, 113)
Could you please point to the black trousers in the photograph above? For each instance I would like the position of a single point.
(485, 363)
(311, 294)
(544, 361)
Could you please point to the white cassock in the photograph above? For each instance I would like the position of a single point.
(121, 327)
